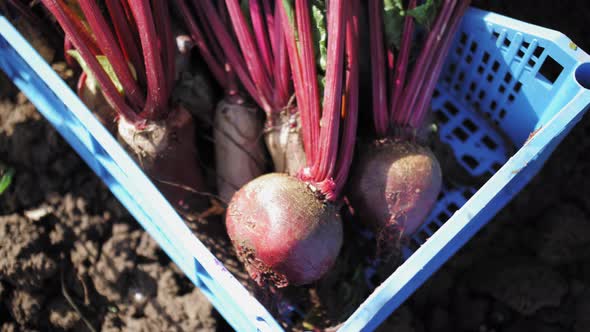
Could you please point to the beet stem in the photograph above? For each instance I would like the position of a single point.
(378, 67)
(436, 66)
(261, 37)
(309, 74)
(232, 53)
(110, 48)
(108, 88)
(401, 68)
(328, 143)
(298, 81)
(351, 106)
(250, 52)
(127, 40)
(283, 89)
(269, 16)
(413, 91)
(166, 42)
(83, 30)
(157, 97)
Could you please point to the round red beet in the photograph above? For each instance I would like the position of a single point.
(283, 231)
(393, 187)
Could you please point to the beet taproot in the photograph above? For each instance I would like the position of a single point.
(283, 230)
(394, 185)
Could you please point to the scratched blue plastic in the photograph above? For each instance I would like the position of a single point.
(496, 87)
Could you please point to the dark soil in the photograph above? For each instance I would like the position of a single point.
(72, 258)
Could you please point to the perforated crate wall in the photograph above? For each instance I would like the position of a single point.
(497, 88)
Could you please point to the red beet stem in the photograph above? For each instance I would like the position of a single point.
(379, 83)
(324, 168)
(262, 37)
(269, 17)
(108, 88)
(283, 89)
(250, 52)
(157, 92)
(166, 42)
(127, 39)
(110, 48)
(83, 30)
(413, 91)
(327, 160)
(436, 66)
(401, 68)
(234, 57)
(288, 24)
(350, 108)
(309, 74)
(80, 84)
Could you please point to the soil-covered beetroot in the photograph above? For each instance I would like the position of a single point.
(166, 151)
(395, 183)
(282, 231)
(238, 133)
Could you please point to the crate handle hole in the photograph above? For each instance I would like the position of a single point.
(550, 69)
(583, 75)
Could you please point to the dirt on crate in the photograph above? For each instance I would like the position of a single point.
(73, 259)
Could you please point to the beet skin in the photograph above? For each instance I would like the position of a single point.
(239, 149)
(393, 187)
(283, 231)
(166, 151)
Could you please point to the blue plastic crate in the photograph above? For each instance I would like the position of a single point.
(505, 83)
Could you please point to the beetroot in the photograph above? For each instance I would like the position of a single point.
(397, 179)
(282, 232)
(395, 183)
(133, 64)
(165, 150)
(287, 230)
(237, 133)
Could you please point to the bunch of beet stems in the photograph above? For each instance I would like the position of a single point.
(287, 229)
(246, 51)
(130, 54)
(397, 179)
